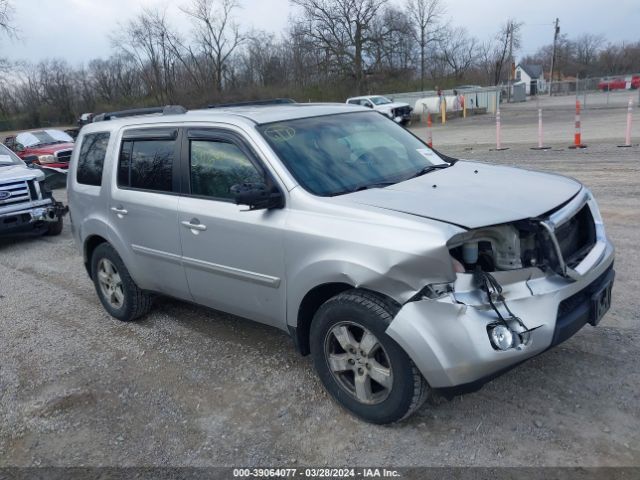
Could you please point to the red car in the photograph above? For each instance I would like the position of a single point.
(51, 147)
(619, 83)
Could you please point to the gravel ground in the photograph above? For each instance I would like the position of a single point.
(193, 387)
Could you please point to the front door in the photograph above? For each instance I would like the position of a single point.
(233, 258)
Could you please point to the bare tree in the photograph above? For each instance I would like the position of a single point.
(587, 47)
(6, 28)
(343, 29)
(57, 87)
(218, 36)
(506, 42)
(391, 49)
(458, 50)
(425, 16)
(144, 38)
(6, 18)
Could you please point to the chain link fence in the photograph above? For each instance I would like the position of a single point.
(474, 97)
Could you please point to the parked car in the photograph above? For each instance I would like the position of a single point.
(399, 269)
(51, 147)
(399, 112)
(26, 206)
(619, 83)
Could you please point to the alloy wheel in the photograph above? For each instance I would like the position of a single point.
(110, 283)
(358, 362)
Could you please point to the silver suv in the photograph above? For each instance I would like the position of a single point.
(399, 269)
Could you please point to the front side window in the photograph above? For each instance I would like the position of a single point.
(337, 154)
(216, 166)
(91, 158)
(147, 164)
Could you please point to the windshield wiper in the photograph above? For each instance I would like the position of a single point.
(363, 187)
(372, 185)
(431, 168)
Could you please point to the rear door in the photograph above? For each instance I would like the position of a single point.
(233, 258)
(144, 208)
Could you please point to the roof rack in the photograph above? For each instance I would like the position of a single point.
(134, 112)
(273, 101)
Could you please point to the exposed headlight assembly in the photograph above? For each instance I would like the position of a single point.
(45, 159)
(499, 245)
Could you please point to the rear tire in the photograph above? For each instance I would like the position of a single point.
(118, 293)
(363, 368)
(55, 228)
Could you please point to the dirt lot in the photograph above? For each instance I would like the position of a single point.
(188, 386)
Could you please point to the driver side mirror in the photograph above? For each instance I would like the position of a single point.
(369, 105)
(257, 196)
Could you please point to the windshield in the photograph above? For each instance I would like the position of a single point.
(7, 157)
(380, 100)
(42, 137)
(336, 154)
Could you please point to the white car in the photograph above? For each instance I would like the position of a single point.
(399, 112)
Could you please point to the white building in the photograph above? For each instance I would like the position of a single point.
(533, 78)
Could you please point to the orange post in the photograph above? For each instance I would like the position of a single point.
(429, 132)
(577, 137)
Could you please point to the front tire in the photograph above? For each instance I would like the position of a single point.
(118, 293)
(363, 368)
(55, 228)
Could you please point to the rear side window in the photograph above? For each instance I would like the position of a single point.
(147, 164)
(91, 158)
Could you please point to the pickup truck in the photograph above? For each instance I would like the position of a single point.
(51, 147)
(398, 112)
(26, 206)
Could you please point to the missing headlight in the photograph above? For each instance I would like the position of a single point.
(497, 248)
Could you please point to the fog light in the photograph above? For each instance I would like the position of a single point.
(501, 337)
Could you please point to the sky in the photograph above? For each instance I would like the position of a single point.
(79, 30)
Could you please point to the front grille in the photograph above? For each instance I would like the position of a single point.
(15, 193)
(401, 111)
(63, 155)
(577, 237)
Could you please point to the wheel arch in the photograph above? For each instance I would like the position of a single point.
(310, 304)
(90, 244)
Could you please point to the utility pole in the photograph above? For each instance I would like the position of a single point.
(556, 32)
(510, 32)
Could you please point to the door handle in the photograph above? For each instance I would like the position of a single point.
(119, 211)
(194, 224)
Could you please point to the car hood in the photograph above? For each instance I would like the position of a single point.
(18, 172)
(390, 106)
(472, 195)
(47, 149)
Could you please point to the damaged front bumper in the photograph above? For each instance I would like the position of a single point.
(31, 220)
(447, 337)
